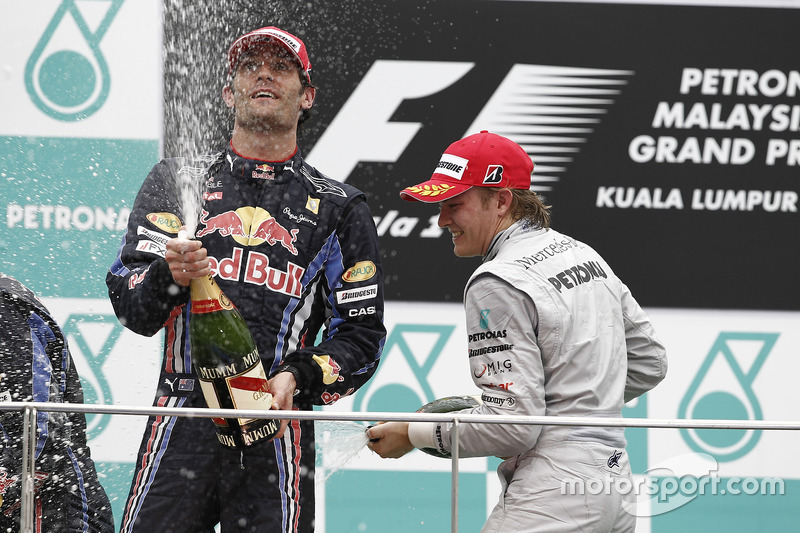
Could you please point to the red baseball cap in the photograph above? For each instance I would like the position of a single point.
(270, 33)
(480, 160)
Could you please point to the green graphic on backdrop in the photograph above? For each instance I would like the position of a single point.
(96, 389)
(417, 502)
(64, 209)
(734, 512)
(726, 445)
(397, 397)
(66, 84)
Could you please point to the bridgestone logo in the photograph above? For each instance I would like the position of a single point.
(285, 38)
(490, 349)
(354, 295)
(451, 166)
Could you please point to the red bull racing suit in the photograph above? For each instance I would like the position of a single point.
(553, 331)
(298, 254)
(37, 367)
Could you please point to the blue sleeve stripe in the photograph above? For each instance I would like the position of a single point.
(81, 489)
(118, 268)
(41, 373)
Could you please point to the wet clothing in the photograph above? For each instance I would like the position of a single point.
(552, 331)
(297, 253)
(37, 367)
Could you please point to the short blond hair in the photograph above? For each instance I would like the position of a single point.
(525, 205)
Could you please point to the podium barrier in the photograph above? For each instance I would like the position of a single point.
(29, 411)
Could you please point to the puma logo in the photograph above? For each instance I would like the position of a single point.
(171, 383)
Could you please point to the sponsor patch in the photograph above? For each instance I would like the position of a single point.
(264, 172)
(150, 247)
(6, 482)
(209, 196)
(354, 295)
(328, 398)
(5, 396)
(490, 349)
(614, 459)
(249, 226)
(361, 312)
(330, 369)
(257, 271)
(285, 38)
(136, 279)
(494, 175)
(578, 275)
(313, 205)
(492, 368)
(483, 335)
(505, 402)
(299, 218)
(153, 235)
(452, 166)
(484, 321)
(165, 221)
(361, 271)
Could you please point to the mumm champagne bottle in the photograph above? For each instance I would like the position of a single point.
(227, 363)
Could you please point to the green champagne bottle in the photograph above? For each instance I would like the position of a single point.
(228, 366)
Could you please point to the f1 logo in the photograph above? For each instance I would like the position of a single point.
(362, 130)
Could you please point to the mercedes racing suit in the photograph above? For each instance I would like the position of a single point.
(38, 367)
(552, 331)
(297, 253)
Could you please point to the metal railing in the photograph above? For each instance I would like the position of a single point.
(29, 412)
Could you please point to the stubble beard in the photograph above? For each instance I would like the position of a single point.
(264, 123)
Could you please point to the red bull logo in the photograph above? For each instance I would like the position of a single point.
(269, 230)
(227, 224)
(257, 271)
(330, 369)
(6, 481)
(264, 172)
(249, 226)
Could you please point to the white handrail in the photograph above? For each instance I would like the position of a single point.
(791, 425)
(29, 410)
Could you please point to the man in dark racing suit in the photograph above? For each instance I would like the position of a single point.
(37, 367)
(296, 252)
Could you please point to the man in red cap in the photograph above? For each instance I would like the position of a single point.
(282, 241)
(552, 331)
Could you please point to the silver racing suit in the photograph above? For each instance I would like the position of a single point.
(553, 331)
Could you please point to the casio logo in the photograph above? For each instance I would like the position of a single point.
(362, 312)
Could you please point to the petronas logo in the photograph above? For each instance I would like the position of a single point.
(484, 321)
(723, 389)
(401, 383)
(67, 76)
(92, 338)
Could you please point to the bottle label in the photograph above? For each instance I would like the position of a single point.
(210, 394)
(211, 306)
(250, 390)
(262, 432)
(245, 390)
